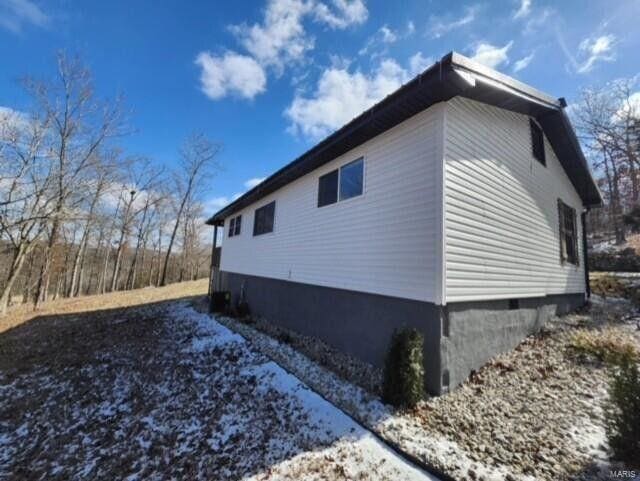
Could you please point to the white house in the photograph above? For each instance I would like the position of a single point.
(455, 205)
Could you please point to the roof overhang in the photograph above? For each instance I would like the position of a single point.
(453, 75)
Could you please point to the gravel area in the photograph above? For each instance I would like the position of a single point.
(532, 413)
(165, 392)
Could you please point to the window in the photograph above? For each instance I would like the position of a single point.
(263, 219)
(351, 179)
(328, 189)
(568, 233)
(514, 304)
(537, 142)
(234, 226)
(341, 184)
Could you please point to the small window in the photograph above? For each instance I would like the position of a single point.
(568, 233)
(263, 219)
(234, 226)
(537, 142)
(351, 176)
(328, 189)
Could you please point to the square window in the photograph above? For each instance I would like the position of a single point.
(263, 219)
(351, 177)
(328, 188)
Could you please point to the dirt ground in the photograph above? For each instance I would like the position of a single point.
(21, 313)
(160, 391)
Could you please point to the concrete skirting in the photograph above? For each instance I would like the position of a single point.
(358, 323)
(477, 331)
(459, 337)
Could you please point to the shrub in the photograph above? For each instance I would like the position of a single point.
(403, 384)
(242, 309)
(622, 411)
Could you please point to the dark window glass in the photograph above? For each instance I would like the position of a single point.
(232, 224)
(328, 188)
(238, 223)
(514, 304)
(537, 142)
(568, 233)
(351, 176)
(263, 219)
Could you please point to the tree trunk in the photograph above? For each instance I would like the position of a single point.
(42, 290)
(14, 271)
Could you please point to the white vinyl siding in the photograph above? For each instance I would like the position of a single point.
(385, 241)
(501, 209)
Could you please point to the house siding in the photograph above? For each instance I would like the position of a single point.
(383, 242)
(501, 214)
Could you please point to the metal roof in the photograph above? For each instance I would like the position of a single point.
(452, 75)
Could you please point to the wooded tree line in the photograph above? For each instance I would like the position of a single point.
(608, 125)
(78, 214)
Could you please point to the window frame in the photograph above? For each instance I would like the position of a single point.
(537, 142)
(231, 227)
(255, 219)
(235, 225)
(566, 215)
(339, 198)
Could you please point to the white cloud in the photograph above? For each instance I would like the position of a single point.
(281, 37)
(418, 63)
(251, 183)
(491, 55)
(411, 28)
(383, 37)
(276, 42)
(523, 62)
(15, 13)
(524, 10)
(231, 73)
(388, 35)
(340, 96)
(349, 12)
(440, 26)
(595, 50)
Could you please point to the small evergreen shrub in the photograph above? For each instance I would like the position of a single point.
(243, 310)
(403, 384)
(623, 411)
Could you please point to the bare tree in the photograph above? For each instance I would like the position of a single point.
(79, 126)
(198, 160)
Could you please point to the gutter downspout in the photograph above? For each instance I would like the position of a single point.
(213, 252)
(583, 220)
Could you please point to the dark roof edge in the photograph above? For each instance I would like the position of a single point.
(452, 62)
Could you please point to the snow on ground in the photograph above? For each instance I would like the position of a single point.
(532, 413)
(166, 392)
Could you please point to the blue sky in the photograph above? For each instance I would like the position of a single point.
(269, 79)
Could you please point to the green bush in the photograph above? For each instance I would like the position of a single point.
(403, 384)
(623, 411)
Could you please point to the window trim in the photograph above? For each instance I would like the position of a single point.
(339, 169)
(273, 224)
(565, 258)
(536, 130)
